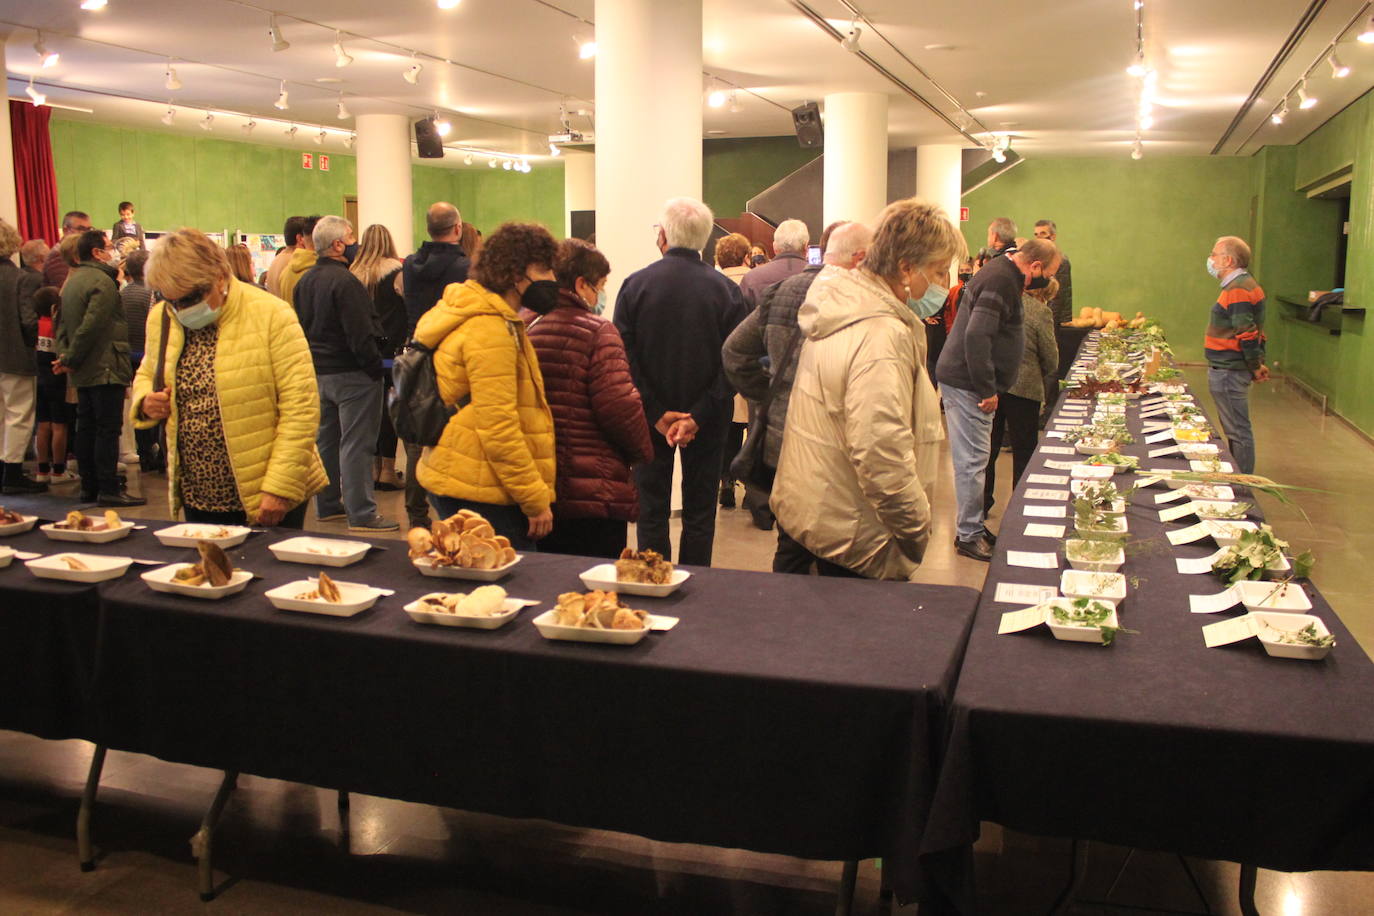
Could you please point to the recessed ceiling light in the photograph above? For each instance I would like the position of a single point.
(447, 4)
(91, 5)
(586, 50)
(328, 79)
(939, 47)
(716, 133)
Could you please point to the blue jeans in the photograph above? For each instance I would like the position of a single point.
(350, 413)
(1231, 391)
(507, 520)
(970, 444)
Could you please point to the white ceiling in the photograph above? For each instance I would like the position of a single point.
(1052, 74)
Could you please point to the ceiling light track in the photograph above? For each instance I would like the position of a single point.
(1299, 87)
(824, 25)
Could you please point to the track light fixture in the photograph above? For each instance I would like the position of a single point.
(170, 116)
(173, 81)
(467, 160)
(1338, 69)
(1366, 35)
(1305, 101)
(735, 107)
(341, 57)
(350, 140)
(46, 58)
(34, 95)
(716, 98)
(274, 32)
(208, 122)
(586, 50)
(491, 163)
(283, 102)
(1278, 116)
(555, 150)
(441, 125)
(412, 73)
(1137, 150)
(1138, 68)
(850, 42)
(343, 113)
(505, 164)
(291, 131)
(319, 138)
(248, 128)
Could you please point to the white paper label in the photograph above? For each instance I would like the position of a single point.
(1047, 478)
(1172, 496)
(1153, 412)
(1061, 465)
(1053, 495)
(1015, 593)
(1041, 530)
(1174, 513)
(1156, 427)
(1161, 436)
(1056, 434)
(1058, 450)
(1213, 604)
(1226, 632)
(1024, 619)
(1188, 535)
(1161, 452)
(1033, 560)
(1067, 424)
(1045, 511)
(1197, 566)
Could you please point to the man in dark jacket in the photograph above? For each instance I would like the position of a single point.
(789, 258)
(339, 322)
(93, 346)
(55, 268)
(424, 277)
(18, 365)
(761, 355)
(674, 316)
(981, 358)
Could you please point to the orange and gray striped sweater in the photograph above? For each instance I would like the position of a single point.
(1235, 333)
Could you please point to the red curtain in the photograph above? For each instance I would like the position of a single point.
(34, 179)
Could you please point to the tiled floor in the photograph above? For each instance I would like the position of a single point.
(282, 849)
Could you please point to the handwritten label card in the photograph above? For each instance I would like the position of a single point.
(1153, 412)
(1166, 450)
(1047, 478)
(1213, 604)
(1226, 632)
(1033, 560)
(1156, 427)
(1172, 496)
(1047, 494)
(1056, 434)
(1161, 436)
(1061, 465)
(1024, 619)
(1058, 450)
(1014, 593)
(1045, 511)
(1174, 513)
(1197, 566)
(1040, 530)
(1067, 424)
(1188, 535)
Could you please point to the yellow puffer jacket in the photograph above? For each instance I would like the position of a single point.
(302, 259)
(498, 448)
(268, 401)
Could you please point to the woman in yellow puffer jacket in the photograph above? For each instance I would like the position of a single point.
(237, 390)
(496, 455)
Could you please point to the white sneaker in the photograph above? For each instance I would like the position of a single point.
(129, 458)
(67, 476)
(41, 476)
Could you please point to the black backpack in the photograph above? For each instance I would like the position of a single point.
(416, 410)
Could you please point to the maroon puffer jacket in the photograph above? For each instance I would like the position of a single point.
(598, 418)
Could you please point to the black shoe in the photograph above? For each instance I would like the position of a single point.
(990, 537)
(120, 500)
(976, 548)
(763, 519)
(385, 486)
(22, 485)
(727, 496)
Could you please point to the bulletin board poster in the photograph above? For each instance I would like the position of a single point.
(262, 247)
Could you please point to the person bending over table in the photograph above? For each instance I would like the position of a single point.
(228, 368)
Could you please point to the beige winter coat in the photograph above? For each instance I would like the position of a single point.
(860, 454)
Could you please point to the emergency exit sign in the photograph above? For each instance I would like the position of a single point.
(307, 160)
(963, 214)
(324, 162)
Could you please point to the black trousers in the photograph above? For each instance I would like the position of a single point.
(386, 432)
(792, 557)
(100, 414)
(294, 519)
(734, 441)
(417, 500)
(586, 537)
(1019, 418)
(700, 480)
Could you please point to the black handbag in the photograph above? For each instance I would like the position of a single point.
(417, 411)
(750, 466)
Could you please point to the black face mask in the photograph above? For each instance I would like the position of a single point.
(1039, 282)
(541, 297)
(758, 259)
(350, 252)
(965, 277)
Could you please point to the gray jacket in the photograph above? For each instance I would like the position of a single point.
(18, 321)
(1041, 356)
(767, 333)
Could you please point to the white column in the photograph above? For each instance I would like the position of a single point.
(855, 156)
(9, 197)
(384, 176)
(940, 176)
(648, 123)
(579, 186)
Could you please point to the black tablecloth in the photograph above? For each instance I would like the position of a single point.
(1157, 741)
(786, 714)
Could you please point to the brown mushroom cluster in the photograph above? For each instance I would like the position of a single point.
(214, 568)
(466, 540)
(598, 610)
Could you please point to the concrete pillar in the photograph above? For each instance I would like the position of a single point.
(383, 150)
(940, 175)
(648, 123)
(9, 197)
(855, 156)
(579, 186)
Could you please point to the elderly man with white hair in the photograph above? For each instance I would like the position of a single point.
(789, 257)
(674, 315)
(339, 321)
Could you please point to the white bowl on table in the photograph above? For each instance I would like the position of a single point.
(100, 569)
(319, 551)
(6, 556)
(1079, 583)
(190, 534)
(509, 609)
(353, 598)
(1109, 562)
(1217, 509)
(25, 523)
(427, 568)
(102, 536)
(1258, 595)
(1074, 633)
(1269, 622)
(163, 579)
(1094, 446)
(551, 630)
(603, 577)
(1227, 533)
(1198, 451)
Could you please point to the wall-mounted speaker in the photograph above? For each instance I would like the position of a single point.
(806, 119)
(427, 139)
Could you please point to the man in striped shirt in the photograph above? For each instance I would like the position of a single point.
(1235, 345)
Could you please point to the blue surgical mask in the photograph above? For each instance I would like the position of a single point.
(600, 302)
(1212, 270)
(350, 252)
(195, 317)
(930, 303)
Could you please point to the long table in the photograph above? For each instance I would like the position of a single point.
(784, 714)
(1156, 742)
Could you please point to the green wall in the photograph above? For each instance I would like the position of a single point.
(178, 180)
(732, 171)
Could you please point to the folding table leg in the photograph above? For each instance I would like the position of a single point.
(844, 904)
(1248, 874)
(83, 817)
(202, 844)
(1078, 872)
